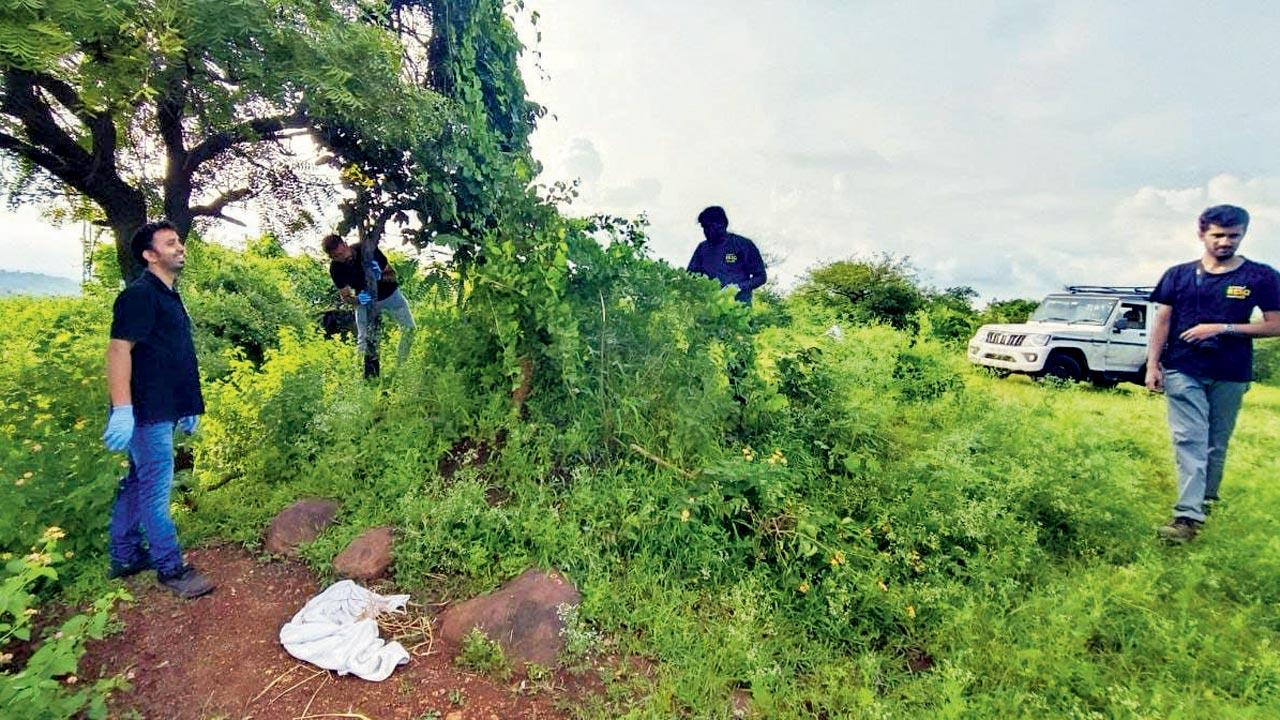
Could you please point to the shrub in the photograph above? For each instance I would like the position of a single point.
(46, 685)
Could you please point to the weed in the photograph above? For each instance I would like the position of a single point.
(483, 655)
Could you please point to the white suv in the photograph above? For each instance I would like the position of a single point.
(1089, 332)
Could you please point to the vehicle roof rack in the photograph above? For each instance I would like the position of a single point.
(1143, 290)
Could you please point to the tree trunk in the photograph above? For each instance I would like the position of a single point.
(369, 254)
(125, 219)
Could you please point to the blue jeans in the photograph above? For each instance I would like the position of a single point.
(141, 510)
(1202, 415)
(395, 306)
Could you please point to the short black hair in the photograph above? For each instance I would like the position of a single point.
(330, 242)
(715, 213)
(1224, 216)
(142, 238)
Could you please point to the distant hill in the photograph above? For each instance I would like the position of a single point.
(27, 283)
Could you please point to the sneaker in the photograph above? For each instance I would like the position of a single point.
(1180, 530)
(189, 584)
(120, 572)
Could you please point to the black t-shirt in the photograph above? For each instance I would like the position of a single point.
(351, 273)
(165, 382)
(1198, 297)
(733, 261)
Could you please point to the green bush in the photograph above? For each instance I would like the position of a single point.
(46, 685)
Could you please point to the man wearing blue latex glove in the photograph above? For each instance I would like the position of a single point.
(119, 428)
(346, 268)
(155, 386)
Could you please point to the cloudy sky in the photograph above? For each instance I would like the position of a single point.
(1011, 146)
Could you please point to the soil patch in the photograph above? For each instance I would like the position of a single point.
(218, 657)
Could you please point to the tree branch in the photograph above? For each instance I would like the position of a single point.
(30, 152)
(259, 129)
(214, 209)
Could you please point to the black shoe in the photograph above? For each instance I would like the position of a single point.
(189, 584)
(1181, 530)
(119, 572)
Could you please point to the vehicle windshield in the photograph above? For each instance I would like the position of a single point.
(1073, 309)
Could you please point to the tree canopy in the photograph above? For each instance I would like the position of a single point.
(185, 107)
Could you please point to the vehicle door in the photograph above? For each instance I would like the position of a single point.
(1127, 340)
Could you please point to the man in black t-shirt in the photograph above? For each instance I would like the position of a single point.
(725, 257)
(1201, 356)
(346, 268)
(154, 386)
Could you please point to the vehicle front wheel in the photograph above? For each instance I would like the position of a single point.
(1063, 367)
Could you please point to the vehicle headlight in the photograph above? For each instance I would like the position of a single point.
(1037, 340)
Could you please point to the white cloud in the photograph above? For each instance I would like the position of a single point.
(30, 244)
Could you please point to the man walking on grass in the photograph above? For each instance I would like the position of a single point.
(346, 269)
(155, 387)
(1201, 356)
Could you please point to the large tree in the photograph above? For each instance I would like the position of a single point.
(184, 107)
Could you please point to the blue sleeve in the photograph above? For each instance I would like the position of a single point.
(1268, 299)
(695, 262)
(133, 315)
(755, 268)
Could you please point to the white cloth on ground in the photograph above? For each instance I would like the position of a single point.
(337, 630)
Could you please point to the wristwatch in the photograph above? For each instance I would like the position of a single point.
(1229, 329)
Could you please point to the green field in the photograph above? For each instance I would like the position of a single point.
(881, 531)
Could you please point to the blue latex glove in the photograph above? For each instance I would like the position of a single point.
(364, 297)
(375, 270)
(188, 423)
(119, 428)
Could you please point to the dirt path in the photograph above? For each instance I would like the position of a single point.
(218, 656)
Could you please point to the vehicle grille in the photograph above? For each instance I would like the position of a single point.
(999, 338)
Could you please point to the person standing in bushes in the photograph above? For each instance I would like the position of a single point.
(346, 268)
(1201, 356)
(725, 257)
(154, 385)
(733, 261)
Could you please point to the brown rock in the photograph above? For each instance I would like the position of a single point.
(367, 557)
(520, 616)
(299, 523)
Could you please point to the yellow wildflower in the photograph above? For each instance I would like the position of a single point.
(803, 587)
(883, 587)
(29, 612)
(26, 475)
(684, 515)
(53, 532)
(38, 558)
(37, 447)
(911, 611)
(837, 558)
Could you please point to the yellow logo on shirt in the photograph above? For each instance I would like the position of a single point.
(730, 258)
(1237, 292)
